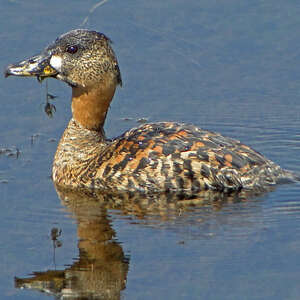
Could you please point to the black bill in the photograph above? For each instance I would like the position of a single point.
(38, 66)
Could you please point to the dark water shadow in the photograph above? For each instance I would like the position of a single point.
(100, 271)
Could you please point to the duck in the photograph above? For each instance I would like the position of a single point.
(154, 157)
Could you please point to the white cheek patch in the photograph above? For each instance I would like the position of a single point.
(56, 62)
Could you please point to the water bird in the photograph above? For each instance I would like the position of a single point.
(154, 157)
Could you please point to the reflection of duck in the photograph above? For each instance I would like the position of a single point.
(154, 157)
(100, 272)
(101, 269)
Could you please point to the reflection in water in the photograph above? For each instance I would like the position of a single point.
(55, 234)
(101, 269)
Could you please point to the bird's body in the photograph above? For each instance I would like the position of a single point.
(157, 157)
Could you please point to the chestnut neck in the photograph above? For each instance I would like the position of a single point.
(90, 104)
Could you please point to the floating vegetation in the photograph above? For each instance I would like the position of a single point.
(10, 152)
(142, 120)
(127, 119)
(2, 178)
(34, 137)
(139, 120)
(49, 108)
(55, 234)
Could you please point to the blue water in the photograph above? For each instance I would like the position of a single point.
(229, 66)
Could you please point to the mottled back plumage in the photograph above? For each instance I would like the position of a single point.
(161, 157)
